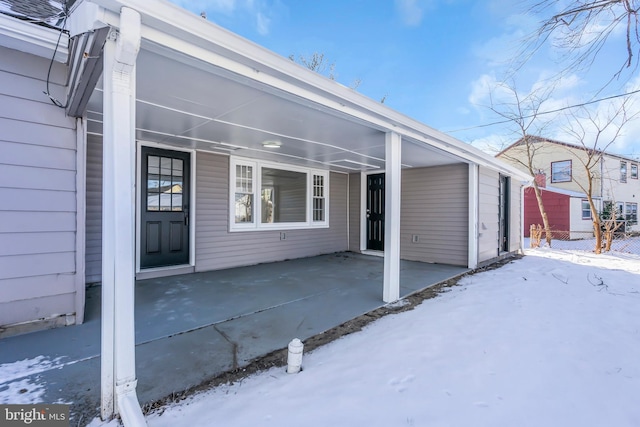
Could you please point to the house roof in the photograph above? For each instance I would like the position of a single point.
(563, 191)
(41, 12)
(30, 26)
(539, 139)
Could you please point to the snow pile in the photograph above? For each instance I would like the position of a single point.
(549, 340)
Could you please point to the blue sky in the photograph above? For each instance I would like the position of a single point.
(433, 60)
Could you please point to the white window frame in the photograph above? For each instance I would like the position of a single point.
(588, 209)
(634, 171)
(631, 209)
(623, 171)
(256, 224)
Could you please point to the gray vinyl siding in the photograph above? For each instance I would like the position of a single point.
(435, 206)
(355, 211)
(38, 190)
(217, 248)
(93, 237)
(488, 215)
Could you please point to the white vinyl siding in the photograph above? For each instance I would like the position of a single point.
(217, 248)
(435, 206)
(488, 215)
(355, 212)
(38, 187)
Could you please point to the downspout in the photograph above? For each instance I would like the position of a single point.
(121, 50)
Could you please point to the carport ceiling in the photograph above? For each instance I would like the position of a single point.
(184, 102)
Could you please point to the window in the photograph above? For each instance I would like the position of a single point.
(164, 184)
(620, 210)
(318, 198)
(623, 171)
(284, 196)
(586, 209)
(634, 171)
(632, 213)
(243, 205)
(561, 171)
(289, 197)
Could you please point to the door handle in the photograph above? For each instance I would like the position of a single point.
(186, 214)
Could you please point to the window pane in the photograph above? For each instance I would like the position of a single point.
(176, 202)
(318, 198)
(586, 210)
(244, 179)
(285, 194)
(153, 183)
(165, 201)
(244, 204)
(267, 197)
(165, 173)
(177, 167)
(318, 209)
(561, 171)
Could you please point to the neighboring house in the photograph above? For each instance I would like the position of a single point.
(177, 146)
(567, 211)
(616, 186)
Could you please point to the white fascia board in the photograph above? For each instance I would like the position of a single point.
(86, 16)
(34, 39)
(172, 26)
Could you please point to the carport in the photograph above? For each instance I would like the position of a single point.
(168, 94)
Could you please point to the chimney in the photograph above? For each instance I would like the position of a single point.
(541, 179)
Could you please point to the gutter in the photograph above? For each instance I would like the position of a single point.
(34, 39)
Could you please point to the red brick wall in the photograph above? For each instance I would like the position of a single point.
(556, 205)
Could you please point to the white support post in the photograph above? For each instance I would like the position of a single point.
(474, 201)
(393, 176)
(107, 362)
(118, 233)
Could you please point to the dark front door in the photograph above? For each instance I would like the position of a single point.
(375, 212)
(164, 218)
(504, 213)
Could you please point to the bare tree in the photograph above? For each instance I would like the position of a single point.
(595, 134)
(320, 64)
(316, 62)
(523, 112)
(582, 28)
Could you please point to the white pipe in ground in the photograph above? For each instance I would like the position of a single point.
(294, 357)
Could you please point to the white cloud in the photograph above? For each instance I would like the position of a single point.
(261, 12)
(263, 24)
(411, 12)
(501, 50)
(215, 6)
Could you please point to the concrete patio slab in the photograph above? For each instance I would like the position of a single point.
(191, 328)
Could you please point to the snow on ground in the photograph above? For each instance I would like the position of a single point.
(549, 340)
(24, 391)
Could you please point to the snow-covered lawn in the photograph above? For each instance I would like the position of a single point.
(552, 339)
